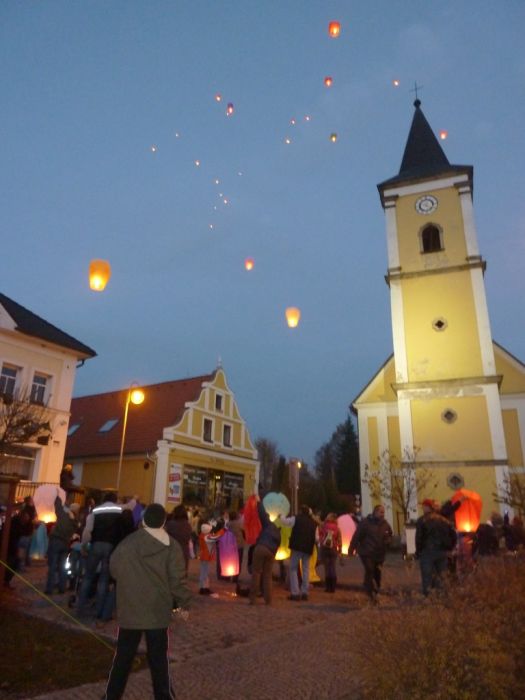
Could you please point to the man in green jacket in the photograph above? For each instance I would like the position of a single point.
(149, 569)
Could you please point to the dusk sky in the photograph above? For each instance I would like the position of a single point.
(106, 106)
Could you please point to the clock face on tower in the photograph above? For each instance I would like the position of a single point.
(426, 204)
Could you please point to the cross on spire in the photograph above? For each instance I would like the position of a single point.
(416, 87)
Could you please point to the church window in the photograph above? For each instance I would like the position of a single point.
(449, 416)
(439, 324)
(431, 239)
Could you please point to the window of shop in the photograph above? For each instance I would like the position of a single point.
(195, 482)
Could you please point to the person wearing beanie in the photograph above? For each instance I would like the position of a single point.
(149, 569)
(65, 527)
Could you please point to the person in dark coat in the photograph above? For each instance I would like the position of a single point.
(370, 540)
(435, 538)
(302, 543)
(264, 552)
(66, 526)
(148, 567)
(179, 527)
(486, 543)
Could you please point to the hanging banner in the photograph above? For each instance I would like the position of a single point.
(174, 483)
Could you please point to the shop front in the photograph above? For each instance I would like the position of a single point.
(214, 489)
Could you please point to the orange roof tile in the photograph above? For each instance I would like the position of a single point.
(163, 407)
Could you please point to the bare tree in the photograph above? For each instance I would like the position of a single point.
(399, 481)
(268, 456)
(22, 423)
(513, 493)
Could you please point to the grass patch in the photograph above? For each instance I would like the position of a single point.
(38, 657)
(468, 644)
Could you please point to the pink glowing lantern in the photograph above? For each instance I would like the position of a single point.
(229, 554)
(347, 526)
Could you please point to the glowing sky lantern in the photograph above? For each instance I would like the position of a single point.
(307, 118)
(328, 81)
(153, 149)
(44, 500)
(347, 526)
(288, 140)
(99, 274)
(197, 163)
(218, 97)
(395, 82)
(284, 551)
(229, 554)
(229, 109)
(334, 29)
(249, 263)
(292, 316)
(468, 514)
(276, 504)
(443, 134)
(293, 122)
(333, 137)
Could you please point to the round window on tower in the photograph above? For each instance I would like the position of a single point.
(439, 324)
(449, 416)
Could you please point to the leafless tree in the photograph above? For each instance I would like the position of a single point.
(268, 455)
(513, 493)
(22, 423)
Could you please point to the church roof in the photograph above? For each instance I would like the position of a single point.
(30, 324)
(423, 158)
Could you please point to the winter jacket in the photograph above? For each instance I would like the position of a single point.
(372, 538)
(330, 536)
(149, 575)
(180, 530)
(302, 538)
(236, 527)
(270, 535)
(66, 525)
(434, 533)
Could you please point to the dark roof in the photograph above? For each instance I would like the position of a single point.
(163, 407)
(423, 157)
(30, 324)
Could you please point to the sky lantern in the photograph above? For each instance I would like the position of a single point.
(333, 137)
(153, 148)
(249, 263)
(443, 134)
(334, 29)
(197, 163)
(99, 274)
(229, 109)
(307, 118)
(284, 548)
(328, 81)
(44, 500)
(276, 504)
(288, 140)
(469, 512)
(395, 82)
(347, 526)
(293, 122)
(228, 554)
(218, 97)
(292, 316)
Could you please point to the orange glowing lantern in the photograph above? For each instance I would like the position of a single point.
(99, 274)
(347, 527)
(249, 263)
(292, 316)
(44, 500)
(333, 137)
(395, 83)
(328, 81)
(218, 97)
(334, 29)
(229, 109)
(469, 512)
(443, 134)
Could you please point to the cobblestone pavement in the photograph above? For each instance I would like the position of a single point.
(228, 649)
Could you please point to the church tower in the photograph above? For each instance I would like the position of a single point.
(438, 397)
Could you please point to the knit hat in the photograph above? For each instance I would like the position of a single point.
(154, 515)
(429, 503)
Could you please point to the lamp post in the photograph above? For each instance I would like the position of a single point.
(135, 396)
(295, 466)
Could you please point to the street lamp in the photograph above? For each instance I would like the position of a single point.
(295, 466)
(136, 397)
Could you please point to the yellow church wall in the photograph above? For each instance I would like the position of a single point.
(467, 438)
(513, 373)
(394, 441)
(447, 216)
(373, 442)
(512, 437)
(453, 352)
(380, 388)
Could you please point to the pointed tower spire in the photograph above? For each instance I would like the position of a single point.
(423, 158)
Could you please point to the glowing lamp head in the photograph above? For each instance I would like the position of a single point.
(99, 274)
(249, 263)
(136, 397)
(443, 134)
(229, 109)
(334, 29)
(328, 81)
(333, 137)
(292, 316)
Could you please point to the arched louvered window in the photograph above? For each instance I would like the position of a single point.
(431, 239)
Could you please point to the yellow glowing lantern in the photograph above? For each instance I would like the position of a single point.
(249, 263)
(395, 83)
(292, 316)
(99, 274)
(443, 134)
(229, 109)
(284, 548)
(333, 137)
(328, 81)
(334, 29)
